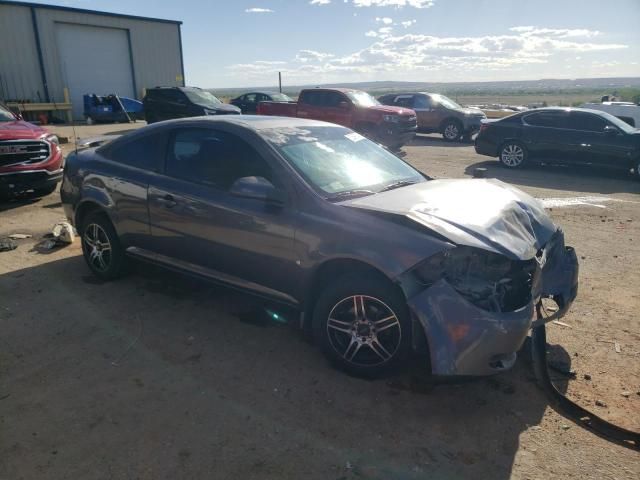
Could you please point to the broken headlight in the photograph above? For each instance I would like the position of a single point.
(488, 280)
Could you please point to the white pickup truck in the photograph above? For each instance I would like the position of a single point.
(625, 111)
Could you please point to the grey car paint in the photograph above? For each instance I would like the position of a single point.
(278, 251)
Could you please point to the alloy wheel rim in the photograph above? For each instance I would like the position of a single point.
(451, 131)
(98, 247)
(364, 330)
(512, 155)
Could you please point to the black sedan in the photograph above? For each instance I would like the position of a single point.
(377, 258)
(248, 103)
(564, 135)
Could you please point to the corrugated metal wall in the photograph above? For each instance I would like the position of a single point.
(155, 50)
(19, 69)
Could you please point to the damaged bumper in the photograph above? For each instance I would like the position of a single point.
(465, 339)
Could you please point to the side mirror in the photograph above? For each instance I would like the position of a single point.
(257, 188)
(344, 105)
(610, 131)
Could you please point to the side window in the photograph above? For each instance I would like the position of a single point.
(546, 119)
(422, 101)
(146, 153)
(312, 98)
(333, 99)
(405, 101)
(586, 121)
(250, 98)
(213, 158)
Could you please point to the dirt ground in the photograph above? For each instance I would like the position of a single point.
(157, 376)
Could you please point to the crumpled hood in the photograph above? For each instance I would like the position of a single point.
(222, 107)
(387, 110)
(481, 213)
(20, 130)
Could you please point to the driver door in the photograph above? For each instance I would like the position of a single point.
(198, 225)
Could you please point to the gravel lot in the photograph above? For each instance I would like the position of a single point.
(159, 376)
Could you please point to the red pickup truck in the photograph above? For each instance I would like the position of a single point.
(355, 109)
(30, 157)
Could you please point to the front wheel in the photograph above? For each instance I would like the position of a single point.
(101, 247)
(513, 155)
(636, 169)
(452, 132)
(362, 325)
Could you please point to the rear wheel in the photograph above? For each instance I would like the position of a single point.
(362, 325)
(452, 131)
(101, 247)
(513, 154)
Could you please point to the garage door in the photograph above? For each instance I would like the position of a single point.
(94, 60)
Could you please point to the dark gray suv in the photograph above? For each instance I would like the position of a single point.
(379, 260)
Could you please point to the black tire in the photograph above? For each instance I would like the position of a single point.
(105, 257)
(513, 154)
(636, 169)
(44, 191)
(452, 131)
(368, 345)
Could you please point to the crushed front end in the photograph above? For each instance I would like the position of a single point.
(476, 307)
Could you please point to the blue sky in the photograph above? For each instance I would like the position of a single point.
(241, 43)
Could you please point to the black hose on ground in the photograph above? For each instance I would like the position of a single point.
(566, 407)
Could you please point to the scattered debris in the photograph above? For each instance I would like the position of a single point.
(600, 403)
(626, 394)
(6, 244)
(566, 427)
(349, 466)
(562, 324)
(616, 345)
(479, 172)
(587, 376)
(63, 232)
(19, 236)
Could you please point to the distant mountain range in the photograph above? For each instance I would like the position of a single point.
(504, 87)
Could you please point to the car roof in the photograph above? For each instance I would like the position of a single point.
(253, 122)
(565, 109)
(263, 92)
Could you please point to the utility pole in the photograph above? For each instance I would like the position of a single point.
(280, 81)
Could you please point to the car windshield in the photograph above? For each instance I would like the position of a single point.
(281, 97)
(445, 101)
(362, 99)
(338, 162)
(202, 97)
(622, 125)
(6, 115)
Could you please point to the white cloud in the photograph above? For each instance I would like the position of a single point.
(408, 23)
(440, 57)
(319, 2)
(385, 20)
(394, 3)
(258, 10)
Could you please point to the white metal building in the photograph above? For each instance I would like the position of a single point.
(45, 49)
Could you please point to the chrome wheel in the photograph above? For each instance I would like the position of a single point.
(512, 155)
(364, 331)
(451, 132)
(98, 247)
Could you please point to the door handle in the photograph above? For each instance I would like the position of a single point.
(168, 201)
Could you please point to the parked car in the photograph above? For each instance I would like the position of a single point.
(565, 135)
(390, 126)
(248, 103)
(377, 258)
(626, 111)
(30, 156)
(165, 103)
(111, 108)
(439, 114)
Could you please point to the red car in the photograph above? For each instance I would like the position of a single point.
(30, 156)
(355, 109)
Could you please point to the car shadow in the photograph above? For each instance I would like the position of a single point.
(561, 177)
(436, 140)
(18, 201)
(84, 361)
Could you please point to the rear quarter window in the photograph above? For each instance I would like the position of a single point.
(146, 153)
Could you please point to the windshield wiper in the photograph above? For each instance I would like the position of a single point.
(349, 194)
(401, 183)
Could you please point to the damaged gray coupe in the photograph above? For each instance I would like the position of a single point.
(382, 263)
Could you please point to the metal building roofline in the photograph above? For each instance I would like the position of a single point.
(92, 12)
